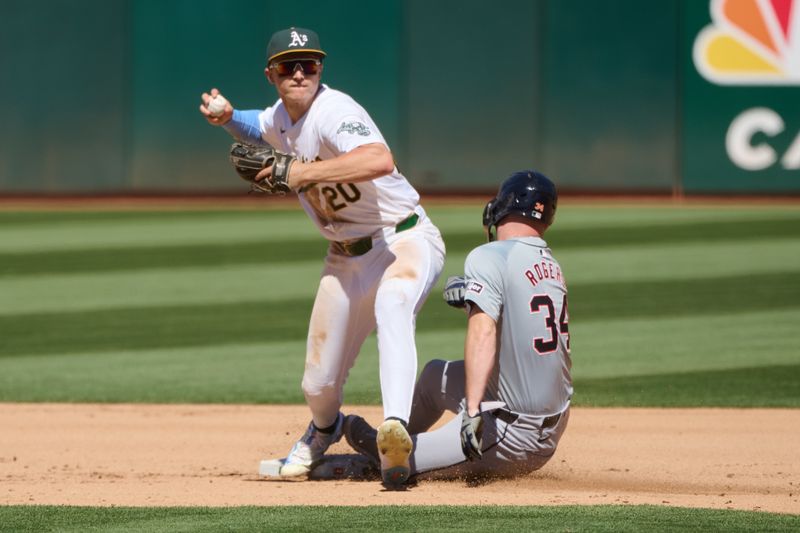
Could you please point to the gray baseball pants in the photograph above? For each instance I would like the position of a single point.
(513, 443)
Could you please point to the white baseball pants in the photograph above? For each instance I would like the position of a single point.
(384, 289)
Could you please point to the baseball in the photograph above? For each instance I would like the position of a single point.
(216, 106)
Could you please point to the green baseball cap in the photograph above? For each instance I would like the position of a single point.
(291, 41)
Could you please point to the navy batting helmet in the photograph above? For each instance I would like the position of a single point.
(527, 193)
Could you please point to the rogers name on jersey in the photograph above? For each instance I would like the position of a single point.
(544, 270)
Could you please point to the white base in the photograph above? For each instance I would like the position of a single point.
(276, 468)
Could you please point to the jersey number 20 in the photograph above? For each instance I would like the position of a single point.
(540, 344)
(339, 197)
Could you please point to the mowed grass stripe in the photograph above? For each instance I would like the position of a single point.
(269, 250)
(151, 257)
(704, 232)
(259, 321)
(760, 386)
(235, 282)
(601, 213)
(157, 287)
(270, 371)
(96, 216)
(641, 346)
(396, 518)
(154, 327)
(446, 216)
(697, 260)
(146, 230)
(685, 297)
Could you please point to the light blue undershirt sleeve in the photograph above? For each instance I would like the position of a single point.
(245, 126)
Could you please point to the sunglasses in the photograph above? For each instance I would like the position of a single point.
(287, 68)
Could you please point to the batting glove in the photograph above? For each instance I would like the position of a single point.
(471, 436)
(454, 290)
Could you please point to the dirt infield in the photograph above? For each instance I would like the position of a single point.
(175, 455)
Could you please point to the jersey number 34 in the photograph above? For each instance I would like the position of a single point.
(545, 346)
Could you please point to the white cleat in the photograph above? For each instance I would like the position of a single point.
(394, 448)
(305, 454)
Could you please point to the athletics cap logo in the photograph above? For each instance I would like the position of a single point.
(298, 39)
(293, 41)
(750, 42)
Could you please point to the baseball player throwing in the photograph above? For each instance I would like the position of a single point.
(512, 391)
(384, 257)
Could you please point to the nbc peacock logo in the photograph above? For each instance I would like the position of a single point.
(750, 42)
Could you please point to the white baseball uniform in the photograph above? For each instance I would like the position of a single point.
(384, 258)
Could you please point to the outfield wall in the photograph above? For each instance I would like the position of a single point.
(605, 96)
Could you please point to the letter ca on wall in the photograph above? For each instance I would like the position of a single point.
(746, 155)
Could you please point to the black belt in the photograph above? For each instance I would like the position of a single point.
(509, 417)
(551, 421)
(361, 246)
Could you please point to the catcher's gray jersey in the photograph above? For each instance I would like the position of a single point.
(520, 285)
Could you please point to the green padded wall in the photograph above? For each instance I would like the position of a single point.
(472, 91)
(178, 55)
(609, 94)
(64, 68)
(602, 96)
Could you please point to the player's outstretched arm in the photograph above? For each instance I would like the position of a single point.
(363, 163)
(241, 125)
(479, 356)
(245, 127)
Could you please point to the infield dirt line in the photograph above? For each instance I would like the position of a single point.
(207, 455)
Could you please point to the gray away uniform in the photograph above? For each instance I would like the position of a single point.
(520, 285)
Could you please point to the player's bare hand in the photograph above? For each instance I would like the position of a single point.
(471, 436)
(216, 109)
(264, 174)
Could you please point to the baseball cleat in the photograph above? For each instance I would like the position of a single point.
(305, 454)
(362, 438)
(394, 448)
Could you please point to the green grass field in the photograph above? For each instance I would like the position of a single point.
(670, 306)
(606, 518)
